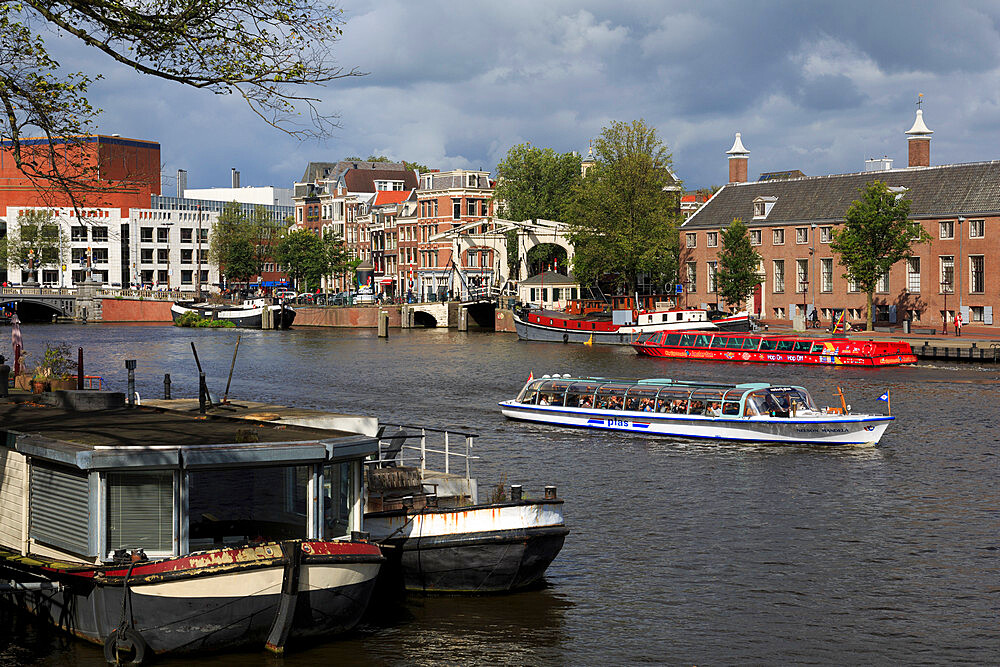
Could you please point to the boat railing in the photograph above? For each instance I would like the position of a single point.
(394, 448)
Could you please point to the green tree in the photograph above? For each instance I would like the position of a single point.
(625, 214)
(35, 234)
(877, 234)
(301, 255)
(242, 244)
(335, 256)
(737, 274)
(267, 53)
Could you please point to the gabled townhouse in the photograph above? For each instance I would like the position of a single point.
(791, 224)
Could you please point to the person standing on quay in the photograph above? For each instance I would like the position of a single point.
(958, 323)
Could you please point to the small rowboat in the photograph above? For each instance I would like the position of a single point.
(751, 412)
(763, 348)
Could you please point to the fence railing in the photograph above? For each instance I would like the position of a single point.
(395, 448)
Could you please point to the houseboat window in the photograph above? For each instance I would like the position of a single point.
(687, 340)
(719, 342)
(703, 340)
(735, 342)
(673, 339)
(234, 507)
(141, 511)
(641, 399)
(581, 395)
(611, 397)
(766, 344)
(786, 345)
(802, 345)
(750, 343)
(338, 489)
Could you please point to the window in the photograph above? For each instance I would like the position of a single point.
(913, 275)
(99, 255)
(146, 234)
(692, 276)
(826, 274)
(141, 511)
(976, 275)
(882, 285)
(779, 275)
(946, 229)
(758, 209)
(712, 240)
(163, 277)
(78, 234)
(852, 285)
(187, 235)
(779, 237)
(947, 273)
(825, 234)
(146, 255)
(435, 208)
(712, 268)
(471, 207)
(99, 234)
(484, 207)
(801, 276)
(762, 206)
(456, 209)
(187, 255)
(204, 275)
(802, 235)
(977, 313)
(977, 229)
(691, 240)
(187, 277)
(162, 256)
(755, 237)
(147, 277)
(162, 234)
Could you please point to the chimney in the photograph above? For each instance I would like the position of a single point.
(182, 182)
(236, 177)
(919, 141)
(739, 161)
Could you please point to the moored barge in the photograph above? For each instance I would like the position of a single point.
(768, 348)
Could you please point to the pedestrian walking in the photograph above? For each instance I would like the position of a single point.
(958, 323)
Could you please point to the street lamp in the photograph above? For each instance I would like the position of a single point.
(958, 265)
(945, 287)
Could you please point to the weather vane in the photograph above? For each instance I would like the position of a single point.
(920, 99)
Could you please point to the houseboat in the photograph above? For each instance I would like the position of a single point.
(149, 531)
(750, 412)
(774, 349)
(247, 315)
(544, 325)
(438, 537)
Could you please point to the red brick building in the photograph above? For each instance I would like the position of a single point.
(124, 173)
(791, 221)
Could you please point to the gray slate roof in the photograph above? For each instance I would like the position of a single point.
(322, 171)
(935, 192)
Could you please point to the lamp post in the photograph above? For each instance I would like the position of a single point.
(945, 284)
(958, 265)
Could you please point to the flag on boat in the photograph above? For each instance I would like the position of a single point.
(884, 397)
(531, 376)
(888, 403)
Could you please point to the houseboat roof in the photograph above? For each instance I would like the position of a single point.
(154, 438)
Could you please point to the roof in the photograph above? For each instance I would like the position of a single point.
(935, 192)
(391, 197)
(550, 278)
(322, 171)
(781, 175)
(362, 179)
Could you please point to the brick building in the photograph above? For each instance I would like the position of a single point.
(791, 221)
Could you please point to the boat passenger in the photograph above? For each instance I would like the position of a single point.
(697, 407)
(586, 402)
(543, 400)
(714, 409)
(647, 405)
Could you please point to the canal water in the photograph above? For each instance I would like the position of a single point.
(680, 552)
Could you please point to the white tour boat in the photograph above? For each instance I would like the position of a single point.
(750, 412)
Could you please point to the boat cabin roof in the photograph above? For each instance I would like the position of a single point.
(564, 381)
(144, 437)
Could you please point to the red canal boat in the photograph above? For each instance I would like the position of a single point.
(779, 349)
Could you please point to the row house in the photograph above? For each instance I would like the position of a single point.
(791, 224)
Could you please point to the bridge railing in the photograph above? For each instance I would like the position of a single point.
(39, 291)
(152, 295)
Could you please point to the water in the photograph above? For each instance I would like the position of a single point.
(680, 552)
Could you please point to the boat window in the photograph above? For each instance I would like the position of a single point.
(673, 400)
(735, 342)
(703, 340)
(552, 392)
(641, 399)
(673, 339)
(751, 343)
(581, 395)
(687, 340)
(719, 342)
(611, 396)
(702, 400)
(802, 345)
(817, 348)
(141, 511)
(767, 344)
(235, 507)
(647, 337)
(785, 345)
(338, 489)
(792, 399)
(529, 393)
(758, 403)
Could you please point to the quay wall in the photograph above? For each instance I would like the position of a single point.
(135, 310)
(504, 321)
(344, 316)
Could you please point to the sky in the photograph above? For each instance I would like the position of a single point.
(814, 86)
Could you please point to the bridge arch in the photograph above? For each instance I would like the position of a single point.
(34, 309)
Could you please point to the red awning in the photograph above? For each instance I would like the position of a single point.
(385, 281)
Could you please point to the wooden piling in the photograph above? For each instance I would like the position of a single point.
(383, 324)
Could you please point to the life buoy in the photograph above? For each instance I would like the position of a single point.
(565, 337)
(127, 648)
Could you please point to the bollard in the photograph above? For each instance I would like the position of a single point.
(130, 365)
(550, 493)
(79, 368)
(166, 386)
(383, 324)
(202, 392)
(463, 319)
(515, 493)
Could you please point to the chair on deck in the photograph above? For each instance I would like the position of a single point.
(389, 454)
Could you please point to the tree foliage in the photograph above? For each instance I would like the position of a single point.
(534, 183)
(624, 214)
(265, 52)
(877, 234)
(737, 274)
(36, 233)
(307, 259)
(242, 243)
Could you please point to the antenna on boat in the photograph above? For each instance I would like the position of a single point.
(843, 402)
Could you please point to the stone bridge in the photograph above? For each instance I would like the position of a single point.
(83, 302)
(450, 314)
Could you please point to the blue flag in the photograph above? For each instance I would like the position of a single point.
(884, 397)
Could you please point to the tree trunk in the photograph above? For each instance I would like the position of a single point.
(871, 299)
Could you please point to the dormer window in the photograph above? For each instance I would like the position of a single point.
(473, 180)
(762, 207)
(898, 191)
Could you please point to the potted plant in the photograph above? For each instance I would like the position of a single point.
(56, 371)
(40, 379)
